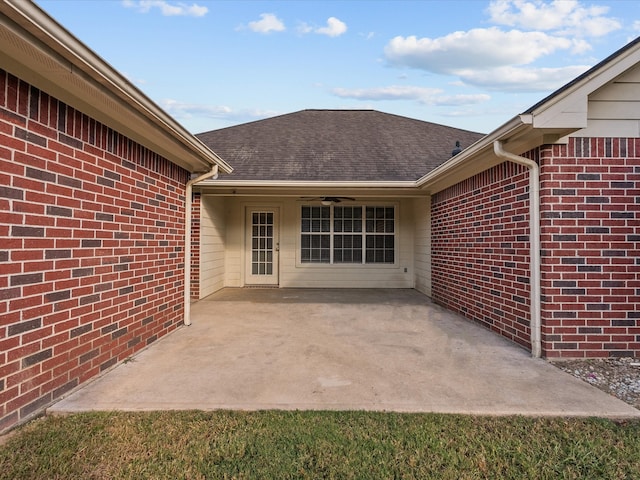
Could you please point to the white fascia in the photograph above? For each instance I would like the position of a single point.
(307, 184)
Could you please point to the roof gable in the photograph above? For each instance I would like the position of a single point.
(567, 107)
(336, 145)
(565, 112)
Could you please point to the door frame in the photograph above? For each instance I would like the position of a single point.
(250, 279)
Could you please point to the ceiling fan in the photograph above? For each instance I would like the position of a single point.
(328, 200)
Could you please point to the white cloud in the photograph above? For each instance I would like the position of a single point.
(517, 79)
(636, 25)
(268, 23)
(166, 8)
(567, 17)
(429, 96)
(304, 28)
(457, 100)
(489, 58)
(188, 111)
(393, 92)
(480, 48)
(334, 28)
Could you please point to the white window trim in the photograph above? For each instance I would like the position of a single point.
(363, 265)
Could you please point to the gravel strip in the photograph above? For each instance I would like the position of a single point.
(619, 377)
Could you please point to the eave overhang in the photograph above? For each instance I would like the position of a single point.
(277, 188)
(36, 48)
(518, 136)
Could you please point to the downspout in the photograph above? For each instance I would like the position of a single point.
(534, 241)
(187, 239)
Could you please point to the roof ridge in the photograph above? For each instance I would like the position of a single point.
(339, 110)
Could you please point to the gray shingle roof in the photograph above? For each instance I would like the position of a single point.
(335, 145)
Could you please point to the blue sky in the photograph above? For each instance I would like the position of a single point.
(469, 64)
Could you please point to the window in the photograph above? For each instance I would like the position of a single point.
(347, 234)
(316, 237)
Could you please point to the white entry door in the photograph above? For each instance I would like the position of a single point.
(261, 264)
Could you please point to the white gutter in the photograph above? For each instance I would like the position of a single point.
(187, 239)
(534, 241)
(315, 184)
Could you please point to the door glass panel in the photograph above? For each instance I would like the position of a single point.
(262, 243)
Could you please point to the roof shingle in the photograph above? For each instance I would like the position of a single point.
(336, 145)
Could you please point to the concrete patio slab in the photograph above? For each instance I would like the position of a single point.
(384, 350)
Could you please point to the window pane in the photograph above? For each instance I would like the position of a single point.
(389, 242)
(371, 225)
(347, 249)
(315, 248)
(349, 246)
(370, 256)
(380, 249)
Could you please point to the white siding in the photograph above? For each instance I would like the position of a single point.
(294, 274)
(212, 245)
(614, 109)
(235, 243)
(422, 215)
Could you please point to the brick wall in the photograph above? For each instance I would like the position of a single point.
(590, 248)
(92, 234)
(195, 245)
(590, 227)
(480, 250)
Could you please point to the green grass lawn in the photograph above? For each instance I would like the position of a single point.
(341, 445)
